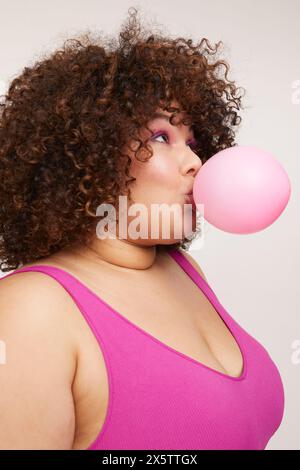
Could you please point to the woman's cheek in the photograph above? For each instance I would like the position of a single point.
(158, 180)
(162, 170)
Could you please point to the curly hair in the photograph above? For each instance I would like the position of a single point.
(66, 122)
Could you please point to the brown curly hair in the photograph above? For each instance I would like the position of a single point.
(65, 124)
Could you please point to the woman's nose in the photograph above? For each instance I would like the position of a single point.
(193, 163)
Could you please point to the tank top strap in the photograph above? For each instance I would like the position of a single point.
(94, 310)
(203, 285)
(189, 268)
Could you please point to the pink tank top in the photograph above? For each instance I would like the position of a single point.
(160, 398)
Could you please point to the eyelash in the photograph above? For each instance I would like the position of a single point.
(193, 144)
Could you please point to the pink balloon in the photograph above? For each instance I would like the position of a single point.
(243, 189)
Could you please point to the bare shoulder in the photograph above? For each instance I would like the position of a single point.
(34, 296)
(37, 302)
(193, 262)
(36, 402)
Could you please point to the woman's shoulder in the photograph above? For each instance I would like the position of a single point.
(21, 286)
(35, 283)
(37, 302)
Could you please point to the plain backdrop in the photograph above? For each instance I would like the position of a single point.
(256, 277)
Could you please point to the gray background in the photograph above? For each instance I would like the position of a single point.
(256, 277)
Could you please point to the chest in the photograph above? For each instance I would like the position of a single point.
(182, 318)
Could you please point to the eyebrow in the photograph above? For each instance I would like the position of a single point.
(164, 116)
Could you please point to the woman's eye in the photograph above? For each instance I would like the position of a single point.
(159, 135)
(192, 144)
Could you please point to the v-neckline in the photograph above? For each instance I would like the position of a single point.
(211, 296)
(203, 286)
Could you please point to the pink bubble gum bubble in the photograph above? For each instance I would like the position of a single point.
(243, 189)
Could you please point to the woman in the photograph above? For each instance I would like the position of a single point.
(119, 343)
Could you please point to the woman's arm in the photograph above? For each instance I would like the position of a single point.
(36, 403)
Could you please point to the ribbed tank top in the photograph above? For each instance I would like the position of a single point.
(160, 398)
